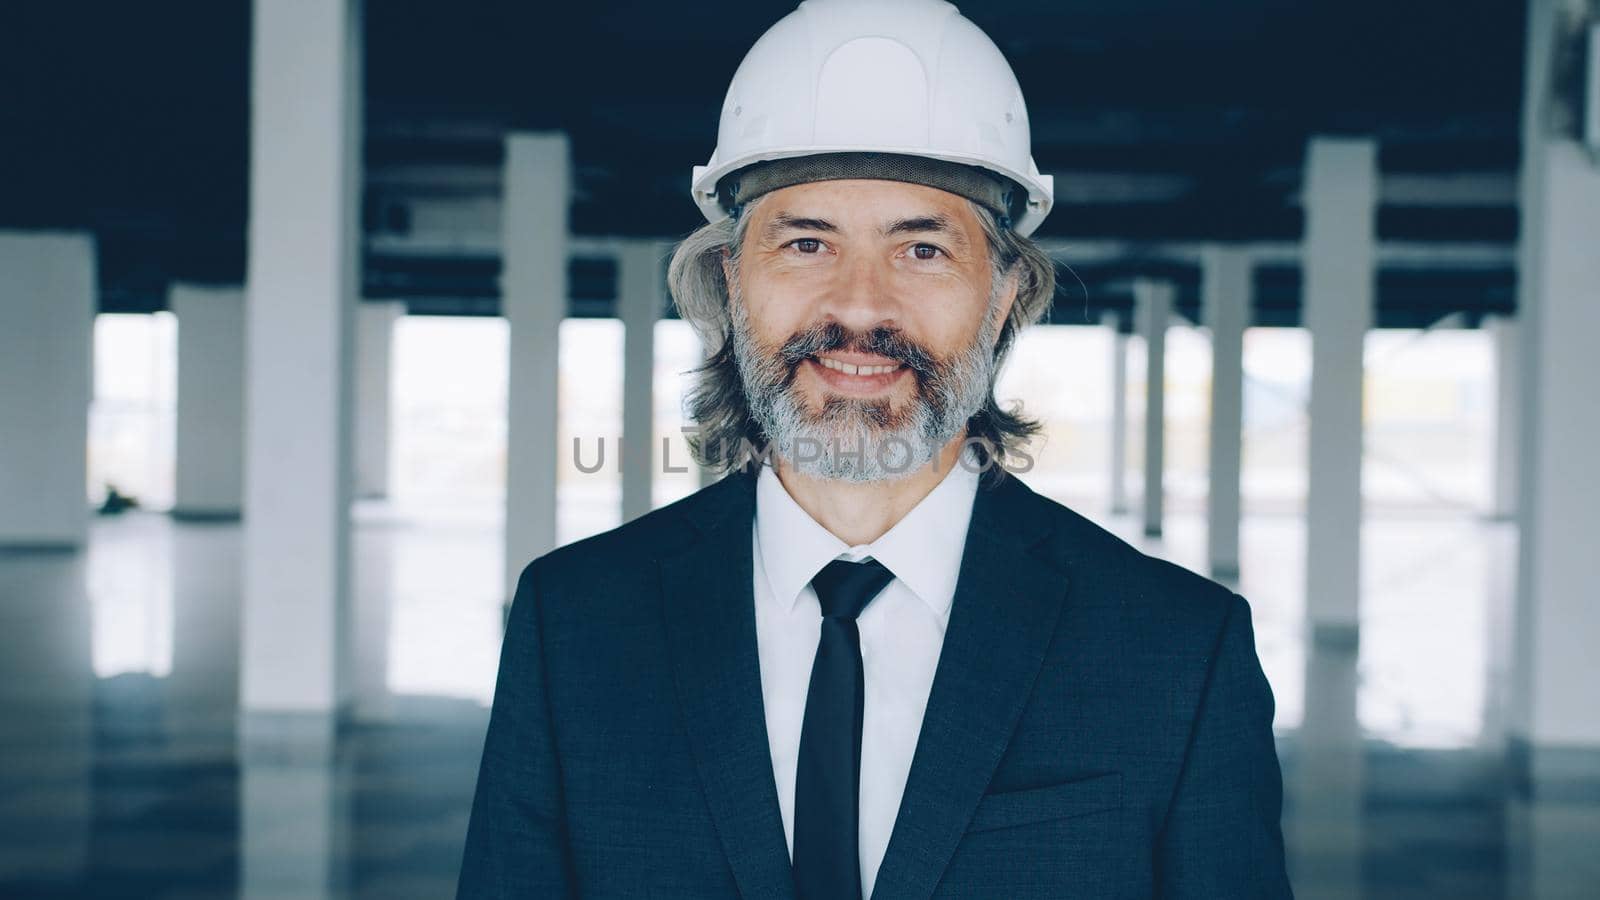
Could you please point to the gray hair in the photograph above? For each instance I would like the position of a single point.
(726, 435)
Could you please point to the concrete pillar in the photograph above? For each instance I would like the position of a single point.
(374, 336)
(372, 617)
(201, 694)
(1325, 775)
(1225, 293)
(51, 729)
(295, 829)
(1550, 846)
(538, 176)
(1506, 338)
(1119, 412)
(300, 320)
(1153, 300)
(1340, 196)
(641, 298)
(47, 309)
(1555, 719)
(209, 458)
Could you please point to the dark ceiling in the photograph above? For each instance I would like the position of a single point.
(131, 118)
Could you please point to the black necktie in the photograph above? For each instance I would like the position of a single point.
(827, 784)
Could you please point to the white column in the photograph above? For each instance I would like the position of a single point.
(294, 829)
(1557, 616)
(1153, 302)
(534, 301)
(47, 309)
(374, 335)
(1506, 339)
(1225, 293)
(1323, 828)
(209, 457)
(641, 290)
(202, 690)
(1119, 412)
(372, 591)
(1340, 197)
(300, 320)
(372, 615)
(1550, 845)
(49, 736)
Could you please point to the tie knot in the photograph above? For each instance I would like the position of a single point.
(845, 588)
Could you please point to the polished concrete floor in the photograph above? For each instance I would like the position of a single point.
(120, 774)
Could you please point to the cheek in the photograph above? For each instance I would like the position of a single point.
(951, 321)
(777, 310)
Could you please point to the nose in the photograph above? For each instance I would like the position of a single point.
(862, 296)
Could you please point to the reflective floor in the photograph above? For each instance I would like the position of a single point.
(120, 776)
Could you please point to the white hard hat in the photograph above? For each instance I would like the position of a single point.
(905, 78)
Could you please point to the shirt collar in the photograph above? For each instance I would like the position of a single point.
(923, 549)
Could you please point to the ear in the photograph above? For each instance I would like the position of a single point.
(727, 268)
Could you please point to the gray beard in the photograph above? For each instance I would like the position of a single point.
(858, 441)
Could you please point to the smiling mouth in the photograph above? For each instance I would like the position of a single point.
(852, 369)
(868, 377)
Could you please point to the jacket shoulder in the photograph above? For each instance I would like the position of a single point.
(1141, 585)
(640, 542)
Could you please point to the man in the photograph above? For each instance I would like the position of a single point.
(870, 662)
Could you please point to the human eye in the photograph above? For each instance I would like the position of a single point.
(926, 252)
(805, 246)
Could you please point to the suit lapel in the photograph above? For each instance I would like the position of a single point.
(1006, 605)
(709, 610)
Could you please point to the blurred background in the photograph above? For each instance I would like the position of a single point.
(317, 323)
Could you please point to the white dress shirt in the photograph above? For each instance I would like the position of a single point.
(902, 632)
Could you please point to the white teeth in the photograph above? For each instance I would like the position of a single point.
(849, 369)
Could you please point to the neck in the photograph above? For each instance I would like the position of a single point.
(862, 513)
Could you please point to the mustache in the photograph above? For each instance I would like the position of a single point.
(890, 343)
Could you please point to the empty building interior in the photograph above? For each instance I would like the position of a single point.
(318, 322)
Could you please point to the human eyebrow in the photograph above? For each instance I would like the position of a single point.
(930, 224)
(784, 222)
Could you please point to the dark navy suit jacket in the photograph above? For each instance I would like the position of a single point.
(1098, 724)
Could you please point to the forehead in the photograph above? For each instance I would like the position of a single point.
(866, 203)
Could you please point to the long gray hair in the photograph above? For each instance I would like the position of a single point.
(727, 437)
